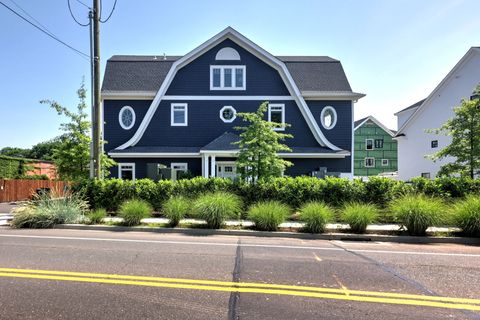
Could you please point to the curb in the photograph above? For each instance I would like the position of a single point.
(280, 234)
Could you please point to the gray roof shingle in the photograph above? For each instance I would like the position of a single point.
(416, 104)
(146, 73)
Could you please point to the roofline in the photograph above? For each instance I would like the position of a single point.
(332, 95)
(339, 155)
(254, 49)
(378, 123)
(433, 94)
(408, 109)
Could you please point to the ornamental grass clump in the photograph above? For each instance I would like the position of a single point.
(418, 212)
(359, 215)
(268, 215)
(49, 209)
(176, 208)
(315, 215)
(133, 211)
(216, 207)
(466, 215)
(96, 216)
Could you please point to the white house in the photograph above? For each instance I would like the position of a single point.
(414, 143)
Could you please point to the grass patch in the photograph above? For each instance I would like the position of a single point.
(466, 215)
(268, 215)
(133, 211)
(96, 216)
(216, 207)
(176, 208)
(359, 216)
(315, 215)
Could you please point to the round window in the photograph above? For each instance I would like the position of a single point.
(328, 117)
(228, 114)
(126, 117)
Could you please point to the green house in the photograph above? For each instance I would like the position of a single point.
(375, 152)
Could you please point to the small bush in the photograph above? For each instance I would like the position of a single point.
(467, 215)
(176, 208)
(316, 215)
(216, 207)
(49, 209)
(359, 215)
(133, 211)
(268, 215)
(417, 212)
(96, 216)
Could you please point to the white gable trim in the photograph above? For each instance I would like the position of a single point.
(470, 53)
(254, 49)
(372, 118)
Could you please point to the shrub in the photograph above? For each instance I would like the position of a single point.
(359, 215)
(467, 215)
(96, 216)
(216, 207)
(417, 212)
(48, 209)
(133, 211)
(315, 215)
(176, 208)
(268, 215)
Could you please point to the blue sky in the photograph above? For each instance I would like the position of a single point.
(394, 51)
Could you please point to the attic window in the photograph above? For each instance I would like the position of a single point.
(227, 53)
(126, 117)
(228, 114)
(227, 77)
(328, 117)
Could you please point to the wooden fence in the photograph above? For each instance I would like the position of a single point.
(17, 190)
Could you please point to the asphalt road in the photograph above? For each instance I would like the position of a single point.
(72, 274)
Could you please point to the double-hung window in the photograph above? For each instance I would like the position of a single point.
(378, 143)
(276, 113)
(227, 78)
(179, 114)
(369, 144)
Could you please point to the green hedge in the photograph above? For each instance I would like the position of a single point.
(295, 192)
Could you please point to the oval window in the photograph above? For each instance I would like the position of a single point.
(126, 117)
(228, 114)
(328, 117)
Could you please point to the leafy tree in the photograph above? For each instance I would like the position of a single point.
(259, 146)
(45, 150)
(15, 152)
(464, 128)
(72, 153)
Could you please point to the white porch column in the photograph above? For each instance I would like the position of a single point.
(212, 166)
(205, 166)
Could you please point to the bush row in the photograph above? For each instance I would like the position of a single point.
(109, 194)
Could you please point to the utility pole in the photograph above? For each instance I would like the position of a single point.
(96, 125)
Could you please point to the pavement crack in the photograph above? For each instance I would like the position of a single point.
(235, 296)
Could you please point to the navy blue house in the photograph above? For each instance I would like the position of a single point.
(167, 114)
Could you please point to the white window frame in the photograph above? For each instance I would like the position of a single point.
(334, 120)
(282, 108)
(365, 162)
(366, 144)
(222, 77)
(184, 166)
(228, 120)
(172, 108)
(124, 164)
(385, 162)
(120, 117)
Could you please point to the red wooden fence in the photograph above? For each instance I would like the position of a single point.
(17, 190)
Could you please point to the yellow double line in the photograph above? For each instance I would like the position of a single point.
(249, 287)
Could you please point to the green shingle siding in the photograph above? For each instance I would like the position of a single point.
(370, 130)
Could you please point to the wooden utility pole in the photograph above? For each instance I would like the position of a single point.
(97, 116)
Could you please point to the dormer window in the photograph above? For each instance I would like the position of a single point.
(227, 77)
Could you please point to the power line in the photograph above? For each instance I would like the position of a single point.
(73, 16)
(33, 18)
(82, 54)
(85, 5)
(111, 12)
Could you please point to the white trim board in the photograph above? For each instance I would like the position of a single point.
(227, 98)
(230, 33)
(232, 153)
(381, 125)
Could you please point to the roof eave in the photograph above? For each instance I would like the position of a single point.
(332, 95)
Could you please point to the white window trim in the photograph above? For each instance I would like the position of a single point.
(228, 120)
(180, 164)
(373, 144)
(120, 169)
(172, 107)
(365, 163)
(222, 82)
(385, 162)
(120, 117)
(335, 117)
(277, 105)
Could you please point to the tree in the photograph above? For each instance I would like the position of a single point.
(464, 128)
(71, 156)
(15, 152)
(45, 150)
(259, 146)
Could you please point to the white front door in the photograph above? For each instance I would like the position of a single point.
(226, 170)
